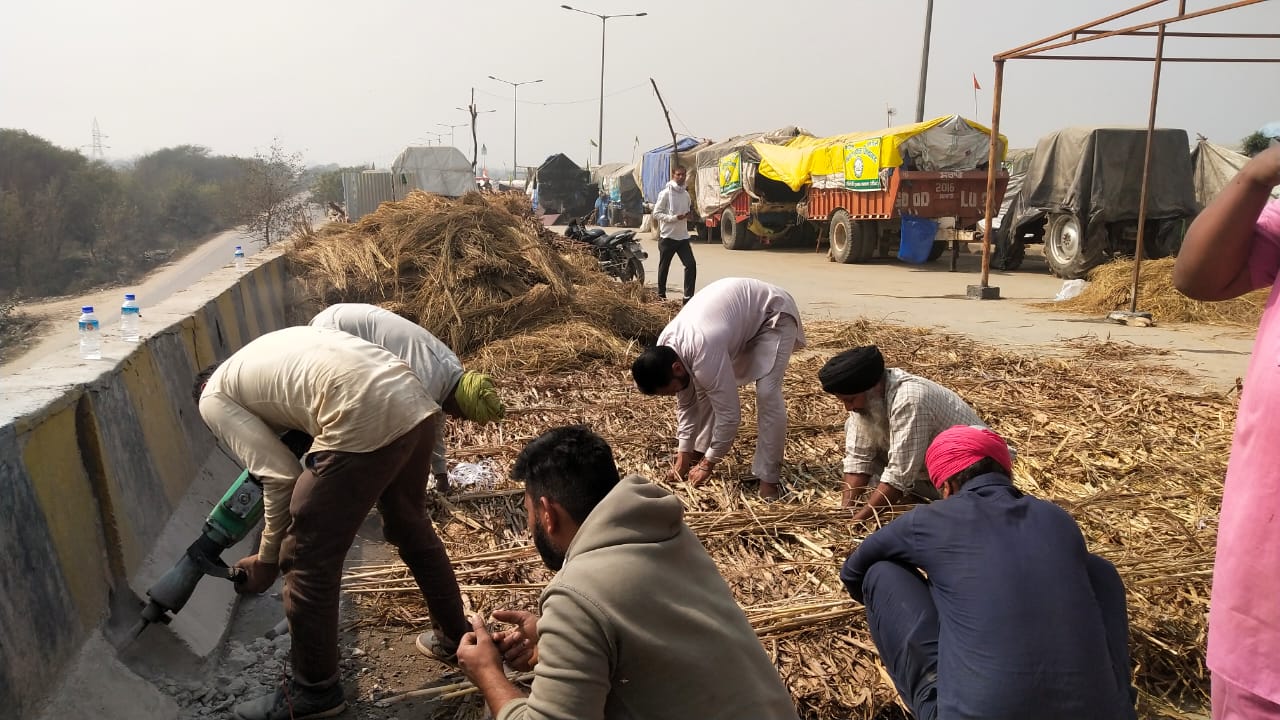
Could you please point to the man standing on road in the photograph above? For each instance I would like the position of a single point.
(893, 416)
(469, 395)
(737, 330)
(987, 604)
(1231, 248)
(374, 427)
(672, 211)
(637, 624)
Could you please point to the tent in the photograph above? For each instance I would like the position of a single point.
(563, 186)
(712, 195)
(654, 170)
(440, 170)
(1214, 166)
(626, 201)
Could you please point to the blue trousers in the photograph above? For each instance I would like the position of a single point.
(904, 625)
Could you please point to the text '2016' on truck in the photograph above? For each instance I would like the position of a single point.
(904, 191)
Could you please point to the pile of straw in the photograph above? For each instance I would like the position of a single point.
(1110, 289)
(1103, 433)
(474, 271)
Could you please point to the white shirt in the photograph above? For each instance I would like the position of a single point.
(432, 361)
(673, 201)
(718, 336)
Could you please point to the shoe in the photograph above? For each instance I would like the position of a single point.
(292, 701)
(434, 644)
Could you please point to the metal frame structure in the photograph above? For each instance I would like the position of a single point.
(1090, 32)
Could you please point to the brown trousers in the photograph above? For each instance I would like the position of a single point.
(330, 501)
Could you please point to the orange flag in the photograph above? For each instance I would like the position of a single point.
(976, 86)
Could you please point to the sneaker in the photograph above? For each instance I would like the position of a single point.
(292, 701)
(435, 645)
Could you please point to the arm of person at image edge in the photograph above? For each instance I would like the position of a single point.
(906, 462)
(572, 675)
(269, 460)
(1234, 244)
(721, 394)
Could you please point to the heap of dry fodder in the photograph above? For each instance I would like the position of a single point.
(1110, 287)
(482, 275)
(1104, 433)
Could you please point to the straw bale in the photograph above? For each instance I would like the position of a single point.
(1109, 435)
(472, 271)
(1110, 287)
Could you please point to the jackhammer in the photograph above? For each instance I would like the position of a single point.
(231, 519)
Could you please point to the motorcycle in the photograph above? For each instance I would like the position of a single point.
(619, 254)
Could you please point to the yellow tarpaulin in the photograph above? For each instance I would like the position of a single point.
(805, 156)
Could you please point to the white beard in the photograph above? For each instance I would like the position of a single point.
(874, 421)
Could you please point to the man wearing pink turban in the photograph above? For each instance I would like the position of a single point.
(987, 604)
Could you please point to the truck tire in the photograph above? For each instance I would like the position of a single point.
(866, 237)
(734, 235)
(1009, 257)
(840, 237)
(1069, 253)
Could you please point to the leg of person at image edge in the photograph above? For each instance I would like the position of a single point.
(771, 410)
(903, 621)
(330, 501)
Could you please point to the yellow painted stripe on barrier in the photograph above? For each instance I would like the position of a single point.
(251, 296)
(161, 431)
(231, 330)
(52, 460)
(198, 335)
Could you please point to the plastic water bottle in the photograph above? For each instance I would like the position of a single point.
(130, 318)
(239, 256)
(90, 337)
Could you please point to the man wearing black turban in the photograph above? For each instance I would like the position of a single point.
(893, 416)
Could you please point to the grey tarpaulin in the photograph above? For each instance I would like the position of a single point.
(1096, 173)
(709, 199)
(440, 170)
(1215, 165)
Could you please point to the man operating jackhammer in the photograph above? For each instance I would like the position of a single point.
(374, 427)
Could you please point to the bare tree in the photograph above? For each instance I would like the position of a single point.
(273, 194)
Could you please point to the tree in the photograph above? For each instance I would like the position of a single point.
(1254, 143)
(273, 196)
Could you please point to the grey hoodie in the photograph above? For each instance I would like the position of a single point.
(640, 625)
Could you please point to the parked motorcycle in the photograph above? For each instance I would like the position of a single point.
(619, 254)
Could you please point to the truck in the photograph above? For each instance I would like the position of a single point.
(1082, 193)
(737, 204)
(860, 186)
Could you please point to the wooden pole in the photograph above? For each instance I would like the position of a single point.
(675, 146)
(1146, 169)
(993, 167)
(475, 142)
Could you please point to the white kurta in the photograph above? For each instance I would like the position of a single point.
(432, 361)
(734, 331)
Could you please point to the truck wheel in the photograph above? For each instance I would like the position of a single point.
(1008, 258)
(733, 234)
(866, 238)
(1067, 250)
(1168, 239)
(841, 238)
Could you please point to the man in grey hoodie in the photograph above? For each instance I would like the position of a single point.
(637, 623)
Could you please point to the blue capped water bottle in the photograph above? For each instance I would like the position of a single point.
(90, 335)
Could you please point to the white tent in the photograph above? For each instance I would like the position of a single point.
(440, 170)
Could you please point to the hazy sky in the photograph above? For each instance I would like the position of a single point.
(356, 82)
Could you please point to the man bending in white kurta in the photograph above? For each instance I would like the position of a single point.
(735, 331)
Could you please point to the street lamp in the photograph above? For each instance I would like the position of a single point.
(515, 89)
(604, 19)
(451, 127)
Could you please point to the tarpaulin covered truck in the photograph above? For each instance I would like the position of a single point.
(861, 186)
(733, 199)
(1082, 193)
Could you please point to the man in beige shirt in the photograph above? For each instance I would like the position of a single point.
(374, 428)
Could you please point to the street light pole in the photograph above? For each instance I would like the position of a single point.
(515, 137)
(451, 127)
(924, 60)
(604, 22)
